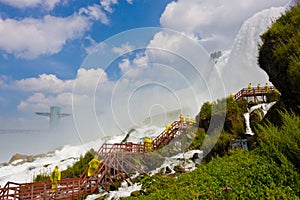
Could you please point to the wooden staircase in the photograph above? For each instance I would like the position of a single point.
(118, 160)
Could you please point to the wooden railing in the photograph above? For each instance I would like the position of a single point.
(253, 92)
(114, 157)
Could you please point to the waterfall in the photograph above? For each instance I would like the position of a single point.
(247, 121)
(264, 106)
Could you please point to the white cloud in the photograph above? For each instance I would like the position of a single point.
(106, 4)
(47, 83)
(123, 49)
(40, 101)
(47, 4)
(29, 37)
(140, 61)
(48, 90)
(88, 79)
(217, 22)
(95, 12)
(92, 44)
(124, 65)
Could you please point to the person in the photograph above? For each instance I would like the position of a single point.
(55, 178)
(148, 142)
(266, 87)
(93, 165)
(249, 87)
(187, 119)
(180, 118)
(258, 87)
(168, 128)
(193, 121)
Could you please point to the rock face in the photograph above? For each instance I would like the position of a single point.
(19, 159)
(255, 117)
(135, 193)
(279, 56)
(179, 169)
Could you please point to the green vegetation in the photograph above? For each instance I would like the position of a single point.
(273, 96)
(229, 121)
(271, 171)
(228, 109)
(282, 143)
(72, 171)
(279, 56)
(78, 168)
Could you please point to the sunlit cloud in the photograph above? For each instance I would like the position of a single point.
(29, 37)
(22, 4)
(213, 20)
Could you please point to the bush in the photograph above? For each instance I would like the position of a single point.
(78, 168)
(72, 171)
(243, 175)
(230, 110)
(282, 143)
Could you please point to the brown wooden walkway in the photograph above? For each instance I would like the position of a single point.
(254, 93)
(118, 160)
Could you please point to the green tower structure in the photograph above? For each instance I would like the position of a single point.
(54, 115)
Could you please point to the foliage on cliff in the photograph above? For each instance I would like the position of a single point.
(279, 56)
(227, 113)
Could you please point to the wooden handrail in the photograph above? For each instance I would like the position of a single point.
(71, 188)
(253, 91)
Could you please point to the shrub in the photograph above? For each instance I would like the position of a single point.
(282, 143)
(242, 175)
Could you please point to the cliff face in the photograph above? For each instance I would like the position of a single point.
(279, 56)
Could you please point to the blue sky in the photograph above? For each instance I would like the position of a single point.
(46, 52)
(63, 63)
(53, 37)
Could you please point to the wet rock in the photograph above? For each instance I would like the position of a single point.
(19, 159)
(196, 158)
(179, 169)
(17, 156)
(135, 193)
(168, 170)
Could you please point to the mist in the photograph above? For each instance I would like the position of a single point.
(164, 72)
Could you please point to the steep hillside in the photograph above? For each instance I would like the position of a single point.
(279, 56)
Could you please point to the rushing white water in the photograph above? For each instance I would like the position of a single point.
(264, 106)
(64, 157)
(123, 191)
(234, 60)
